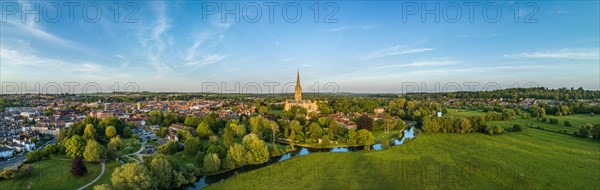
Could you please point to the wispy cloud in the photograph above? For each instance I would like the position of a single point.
(153, 39)
(395, 50)
(426, 63)
(207, 59)
(579, 54)
(20, 58)
(351, 27)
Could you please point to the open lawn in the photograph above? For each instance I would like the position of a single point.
(530, 159)
(459, 113)
(53, 174)
(576, 120)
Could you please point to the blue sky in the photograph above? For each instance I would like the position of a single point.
(364, 47)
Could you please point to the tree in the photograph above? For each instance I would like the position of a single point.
(110, 132)
(113, 147)
(212, 162)
(315, 131)
(365, 137)
(78, 167)
(163, 172)
(191, 146)
(204, 131)
(132, 176)
(365, 122)
(228, 137)
(236, 152)
(89, 132)
(171, 147)
(465, 125)
(161, 132)
(94, 151)
(114, 143)
(103, 187)
(256, 149)
(75, 146)
(126, 132)
(274, 130)
(351, 137)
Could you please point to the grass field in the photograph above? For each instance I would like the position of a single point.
(458, 113)
(576, 120)
(530, 159)
(53, 174)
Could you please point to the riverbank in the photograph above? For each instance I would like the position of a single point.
(531, 159)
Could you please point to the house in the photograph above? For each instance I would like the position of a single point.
(378, 110)
(6, 152)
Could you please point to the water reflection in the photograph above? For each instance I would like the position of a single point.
(300, 151)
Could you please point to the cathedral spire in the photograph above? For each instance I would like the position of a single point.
(298, 90)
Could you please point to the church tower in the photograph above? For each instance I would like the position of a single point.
(298, 90)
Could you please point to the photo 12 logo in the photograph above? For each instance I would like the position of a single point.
(253, 12)
(453, 12)
(70, 11)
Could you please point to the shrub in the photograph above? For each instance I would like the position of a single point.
(516, 127)
(568, 124)
(498, 130)
(553, 121)
(544, 119)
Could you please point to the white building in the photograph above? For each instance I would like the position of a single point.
(6, 152)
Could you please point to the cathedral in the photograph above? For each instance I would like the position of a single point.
(309, 105)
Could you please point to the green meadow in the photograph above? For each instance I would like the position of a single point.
(530, 159)
(54, 173)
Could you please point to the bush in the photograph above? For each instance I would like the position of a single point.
(544, 119)
(498, 130)
(568, 124)
(516, 127)
(553, 121)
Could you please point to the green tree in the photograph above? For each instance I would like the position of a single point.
(103, 187)
(351, 137)
(161, 132)
(132, 176)
(170, 147)
(110, 132)
(212, 162)
(204, 130)
(228, 138)
(94, 151)
(126, 132)
(75, 146)
(365, 137)
(256, 149)
(236, 152)
(89, 132)
(191, 146)
(164, 172)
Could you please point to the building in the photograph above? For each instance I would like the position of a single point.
(309, 105)
(6, 152)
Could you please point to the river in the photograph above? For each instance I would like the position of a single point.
(300, 151)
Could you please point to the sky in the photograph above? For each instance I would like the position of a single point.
(344, 46)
